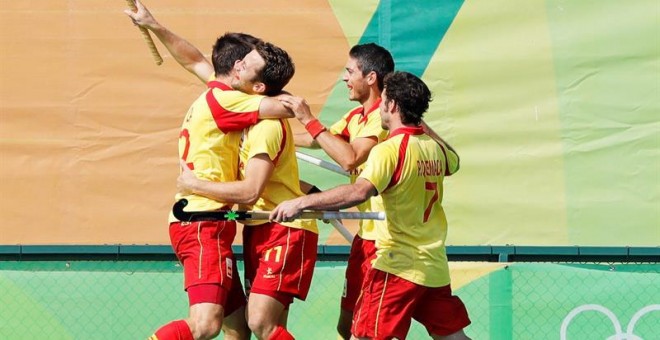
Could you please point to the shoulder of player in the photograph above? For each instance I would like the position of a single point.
(388, 144)
(393, 143)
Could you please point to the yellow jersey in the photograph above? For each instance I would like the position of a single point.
(274, 138)
(359, 123)
(408, 171)
(210, 137)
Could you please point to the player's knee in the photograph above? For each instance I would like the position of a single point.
(205, 327)
(261, 326)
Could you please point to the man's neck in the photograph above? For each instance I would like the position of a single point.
(395, 125)
(225, 79)
(374, 96)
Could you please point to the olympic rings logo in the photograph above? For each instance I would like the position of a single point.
(618, 332)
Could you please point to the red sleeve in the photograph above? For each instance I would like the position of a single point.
(228, 121)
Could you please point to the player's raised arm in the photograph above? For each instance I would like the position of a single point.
(183, 52)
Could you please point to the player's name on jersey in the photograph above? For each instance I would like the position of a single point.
(429, 167)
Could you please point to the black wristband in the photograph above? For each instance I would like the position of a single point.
(313, 190)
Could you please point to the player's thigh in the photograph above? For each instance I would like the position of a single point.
(442, 313)
(264, 309)
(385, 307)
(204, 249)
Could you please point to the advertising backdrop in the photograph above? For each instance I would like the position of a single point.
(553, 106)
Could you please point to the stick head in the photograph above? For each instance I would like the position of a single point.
(178, 212)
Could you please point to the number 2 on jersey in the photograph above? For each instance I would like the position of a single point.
(186, 135)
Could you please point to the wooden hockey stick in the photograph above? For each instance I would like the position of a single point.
(147, 37)
(342, 230)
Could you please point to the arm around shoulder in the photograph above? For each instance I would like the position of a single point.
(271, 107)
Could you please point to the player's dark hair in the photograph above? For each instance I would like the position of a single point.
(229, 48)
(278, 68)
(410, 94)
(371, 57)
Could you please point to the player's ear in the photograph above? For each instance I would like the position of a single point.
(259, 87)
(237, 65)
(391, 106)
(372, 78)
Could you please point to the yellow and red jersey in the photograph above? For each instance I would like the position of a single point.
(210, 137)
(408, 171)
(274, 138)
(359, 123)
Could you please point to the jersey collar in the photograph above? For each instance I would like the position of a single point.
(407, 130)
(373, 107)
(364, 114)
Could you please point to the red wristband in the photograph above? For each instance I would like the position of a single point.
(314, 127)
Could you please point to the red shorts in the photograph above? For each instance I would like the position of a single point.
(204, 249)
(279, 261)
(359, 263)
(213, 293)
(388, 304)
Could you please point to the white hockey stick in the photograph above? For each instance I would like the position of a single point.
(321, 163)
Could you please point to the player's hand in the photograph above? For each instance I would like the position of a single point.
(142, 17)
(186, 181)
(286, 211)
(299, 107)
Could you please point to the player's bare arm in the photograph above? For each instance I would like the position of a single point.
(304, 140)
(271, 107)
(347, 155)
(246, 191)
(183, 52)
(341, 197)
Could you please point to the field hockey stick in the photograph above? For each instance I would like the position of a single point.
(342, 230)
(321, 163)
(147, 37)
(233, 215)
